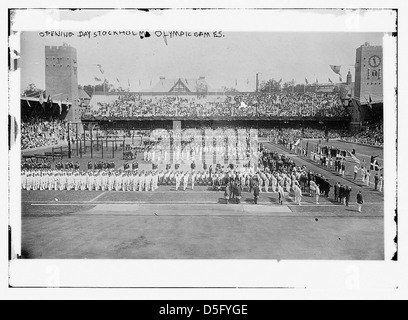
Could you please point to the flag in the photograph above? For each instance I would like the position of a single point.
(341, 79)
(336, 69)
(354, 101)
(60, 106)
(51, 103)
(41, 99)
(29, 105)
(369, 100)
(117, 80)
(48, 105)
(98, 79)
(330, 80)
(128, 83)
(350, 157)
(100, 68)
(307, 82)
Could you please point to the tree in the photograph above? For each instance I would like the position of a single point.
(32, 91)
(89, 89)
(106, 86)
(270, 86)
(300, 88)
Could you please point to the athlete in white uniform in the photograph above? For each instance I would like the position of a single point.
(178, 180)
(185, 181)
(193, 178)
(141, 181)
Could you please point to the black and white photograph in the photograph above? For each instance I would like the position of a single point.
(202, 144)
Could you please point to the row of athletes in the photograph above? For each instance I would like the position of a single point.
(119, 180)
(105, 180)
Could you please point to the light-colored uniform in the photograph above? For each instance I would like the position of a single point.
(178, 180)
(77, 181)
(185, 181)
(368, 178)
(317, 194)
(274, 183)
(142, 182)
(111, 181)
(193, 178)
(298, 194)
(51, 180)
(83, 181)
(135, 181)
(118, 182)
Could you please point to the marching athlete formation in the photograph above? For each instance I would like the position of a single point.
(109, 180)
(278, 174)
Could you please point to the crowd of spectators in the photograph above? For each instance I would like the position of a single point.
(265, 105)
(291, 135)
(373, 136)
(38, 132)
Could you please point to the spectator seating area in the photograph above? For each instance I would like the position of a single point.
(251, 105)
(38, 132)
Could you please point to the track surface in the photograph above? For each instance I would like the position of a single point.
(198, 224)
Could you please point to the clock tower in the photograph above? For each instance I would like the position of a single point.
(369, 74)
(368, 86)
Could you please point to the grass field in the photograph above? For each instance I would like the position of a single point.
(198, 224)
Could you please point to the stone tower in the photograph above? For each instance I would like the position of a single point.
(61, 78)
(349, 78)
(368, 83)
(369, 74)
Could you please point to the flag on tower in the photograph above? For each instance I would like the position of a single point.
(330, 80)
(307, 82)
(369, 100)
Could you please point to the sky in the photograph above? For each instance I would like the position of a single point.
(231, 60)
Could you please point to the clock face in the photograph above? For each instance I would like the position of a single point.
(374, 61)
